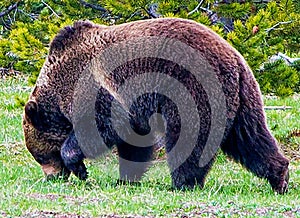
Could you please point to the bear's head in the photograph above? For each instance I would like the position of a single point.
(44, 137)
(45, 126)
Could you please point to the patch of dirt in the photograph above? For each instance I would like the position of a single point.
(5, 72)
(188, 210)
(50, 214)
(125, 216)
(202, 209)
(69, 199)
(292, 213)
(291, 151)
(2, 214)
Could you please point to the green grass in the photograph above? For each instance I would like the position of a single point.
(230, 191)
(283, 123)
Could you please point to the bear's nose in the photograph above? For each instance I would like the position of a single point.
(53, 172)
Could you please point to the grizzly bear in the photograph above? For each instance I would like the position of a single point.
(165, 81)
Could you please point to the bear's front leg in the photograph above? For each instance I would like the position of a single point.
(133, 162)
(73, 157)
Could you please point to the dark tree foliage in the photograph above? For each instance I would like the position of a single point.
(259, 29)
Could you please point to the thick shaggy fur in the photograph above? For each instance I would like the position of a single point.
(49, 130)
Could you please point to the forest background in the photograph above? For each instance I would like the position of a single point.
(265, 32)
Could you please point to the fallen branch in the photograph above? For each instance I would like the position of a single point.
(279, 56)
(96, 7)
(278, 24)
(285, 58)
(9, 9)
(277, 107)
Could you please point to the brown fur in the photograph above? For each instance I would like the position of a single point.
(246, 139)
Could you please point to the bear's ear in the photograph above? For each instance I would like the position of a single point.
(61, 39)
(66, 36)
(31, 113)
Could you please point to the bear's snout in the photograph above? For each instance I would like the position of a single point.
(54, 172)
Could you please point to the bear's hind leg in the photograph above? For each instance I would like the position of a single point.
(251, 144)
(190, 174)
(73, 157)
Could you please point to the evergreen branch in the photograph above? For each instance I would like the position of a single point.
(9, 9)
(138, 12)
(29, 15)
(48, 6)
(227, 29)
(278, 24)
(9, 18)
(261, 1)
(96, 7)
(196, 8)
(15, 13)
(207, 10)
(7, 26)
(248, 37)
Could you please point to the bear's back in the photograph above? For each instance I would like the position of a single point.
(75, 47)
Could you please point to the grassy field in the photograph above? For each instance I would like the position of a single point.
(230, 190)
